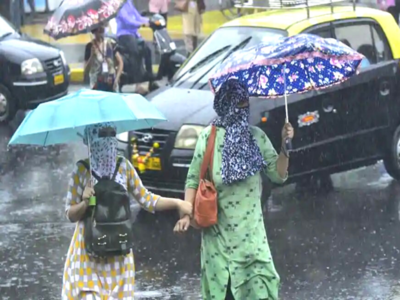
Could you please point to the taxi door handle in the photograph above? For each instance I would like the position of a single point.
(384, 89)
(328, 107)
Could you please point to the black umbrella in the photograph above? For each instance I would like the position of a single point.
(75, 17)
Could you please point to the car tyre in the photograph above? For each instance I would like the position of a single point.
(8, 106)
(392, 159)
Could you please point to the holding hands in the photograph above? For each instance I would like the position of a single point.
(186, 220)
(185, 208)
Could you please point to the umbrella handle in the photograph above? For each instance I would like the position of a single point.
(288, 144)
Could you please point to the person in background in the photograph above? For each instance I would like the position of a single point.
(236, 261)
(191, 23)
(159, 7)
(129, 21)
(16, 13)
(391, 6)
(103, 64)
(364, 62)
(113, 277)
(31, 4)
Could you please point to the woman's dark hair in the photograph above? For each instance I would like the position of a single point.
(94, 31)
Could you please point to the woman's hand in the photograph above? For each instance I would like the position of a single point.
(185, 208)
(88, 192)
(77, 211)
(287, 132)
(182, 225)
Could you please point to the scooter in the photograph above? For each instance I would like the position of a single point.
(170, 60)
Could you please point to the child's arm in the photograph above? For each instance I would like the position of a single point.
(149, 201)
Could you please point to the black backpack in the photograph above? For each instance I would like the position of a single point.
(107, 225)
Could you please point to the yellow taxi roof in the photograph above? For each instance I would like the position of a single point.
(286, 18)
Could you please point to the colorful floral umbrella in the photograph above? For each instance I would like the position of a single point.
(289, 65)
(75, 17)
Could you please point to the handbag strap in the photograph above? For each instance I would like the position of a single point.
(208, 159)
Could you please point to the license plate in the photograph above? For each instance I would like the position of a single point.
(58, 79)
(153, 163)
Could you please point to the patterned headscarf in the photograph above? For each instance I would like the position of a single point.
(241, 156)
(103, 150)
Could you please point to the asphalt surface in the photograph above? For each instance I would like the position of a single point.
(341, 245)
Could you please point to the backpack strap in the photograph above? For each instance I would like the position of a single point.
(119, 161)
(87, 167)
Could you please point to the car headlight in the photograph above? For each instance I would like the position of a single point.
(31, 66)
(64, 60)
(187, 136)
(123, 137)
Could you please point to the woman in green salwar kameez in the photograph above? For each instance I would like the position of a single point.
(236, 260)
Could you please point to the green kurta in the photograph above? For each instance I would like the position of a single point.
(237, 247)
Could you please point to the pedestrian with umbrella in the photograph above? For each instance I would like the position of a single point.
(236, 261)
(100, 262)
(103, 63)
(74, 17)
(235, 258)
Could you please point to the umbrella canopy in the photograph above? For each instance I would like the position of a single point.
(75, 17)
(64, 120)
(289, 65)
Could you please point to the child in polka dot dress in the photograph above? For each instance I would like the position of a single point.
(108, 278)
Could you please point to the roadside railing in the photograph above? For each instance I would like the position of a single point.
(236, 8)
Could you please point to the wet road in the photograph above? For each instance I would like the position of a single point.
(343, 245)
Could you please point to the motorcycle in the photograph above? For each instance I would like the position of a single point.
(170, 59)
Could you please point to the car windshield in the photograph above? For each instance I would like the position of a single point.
(223, 39)
(5, 28)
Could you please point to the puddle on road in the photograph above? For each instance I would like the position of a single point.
(148, 295)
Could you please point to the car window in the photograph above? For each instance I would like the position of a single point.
(229, 37)
(381, 44)
(322, 32)
(5, 27)
(365, 39)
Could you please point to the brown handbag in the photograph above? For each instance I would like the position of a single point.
(182, 5)
(205, 205)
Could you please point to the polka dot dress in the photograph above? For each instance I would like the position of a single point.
(98, 278)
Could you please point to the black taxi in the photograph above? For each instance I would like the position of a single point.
(31, 72)
(343, 127)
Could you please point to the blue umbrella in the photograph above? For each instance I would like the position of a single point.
(289, 65)
(64, 120)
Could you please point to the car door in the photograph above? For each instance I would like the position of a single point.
(363, 101)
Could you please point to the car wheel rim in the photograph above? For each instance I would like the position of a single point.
(3, 105)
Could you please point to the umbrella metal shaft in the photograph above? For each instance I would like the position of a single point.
(285, 93)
